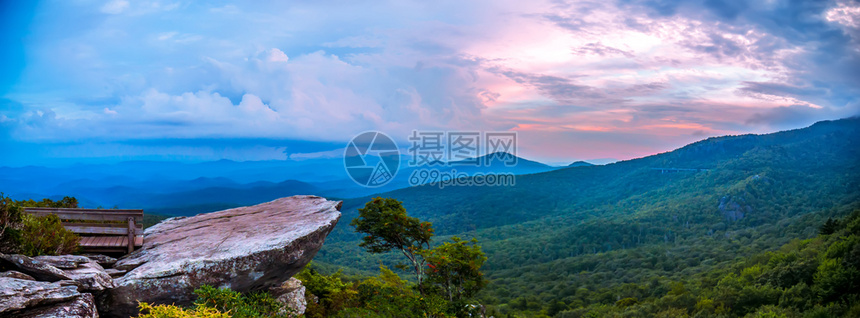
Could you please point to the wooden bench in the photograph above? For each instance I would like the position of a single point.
(108, 230)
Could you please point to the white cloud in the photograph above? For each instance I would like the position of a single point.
(276, 55)
(115, 6)
(844, 14)
(166, 35)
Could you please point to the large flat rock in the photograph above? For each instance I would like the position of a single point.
(244, 249)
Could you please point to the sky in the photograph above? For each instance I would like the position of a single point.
(116, 80)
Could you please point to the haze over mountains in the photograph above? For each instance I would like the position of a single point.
(176, 188)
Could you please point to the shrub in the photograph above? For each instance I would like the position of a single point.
(219, 303)
(171, 311)
(332, 293)
(10, 226)
(32, 236)
(45, 235)
(237, 305)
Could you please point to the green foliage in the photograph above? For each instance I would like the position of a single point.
(387, 227)
(46, 235)
(828, 227)
(219, 303)
(455, 269)
(171, 311)
(238, 305)
(385, 295)
(32, 236)
(11, 223)
(453, 276)
(331, 292)
(65, 202)
(802, 279)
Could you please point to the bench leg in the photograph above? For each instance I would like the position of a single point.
(130, 235)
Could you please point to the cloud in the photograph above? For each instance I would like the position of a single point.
(846, 14)
(276, 55)
(658, 70)
(799, 115)
(601, 50)
(115, 6)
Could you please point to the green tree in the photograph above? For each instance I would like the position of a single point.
(389, 228)
(455, 268)
(828, 227)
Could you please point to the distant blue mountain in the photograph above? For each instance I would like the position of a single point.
(191, 188)
(580, 164)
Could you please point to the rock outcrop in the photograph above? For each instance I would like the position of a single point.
(91, 276)
(103, 260)
(16, 274)
(82, 306)
(63, 261)
(291, 294)
(244, 249)
(18, 294)
(79, 271)
(35, 268)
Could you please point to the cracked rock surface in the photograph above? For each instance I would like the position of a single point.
(17, 294)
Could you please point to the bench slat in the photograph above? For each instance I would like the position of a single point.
(86, 241)
(100, 230)
(129, 211)
(95, 228)
(89, 214)
(119, 242)
(123, 225)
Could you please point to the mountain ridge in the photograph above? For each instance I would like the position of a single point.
(745, 194)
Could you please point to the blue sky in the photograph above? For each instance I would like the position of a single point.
(180, 80)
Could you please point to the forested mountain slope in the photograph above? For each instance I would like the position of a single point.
(573, 236)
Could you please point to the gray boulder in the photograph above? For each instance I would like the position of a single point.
(17, 294)
(291, 294)
(38, 269)
(63, 261)
(103, 260)
(16, 274)
(91, 276)
(244, 249)
(82, 306)
(114, 273)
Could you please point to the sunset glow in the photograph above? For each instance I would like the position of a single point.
(126, 72)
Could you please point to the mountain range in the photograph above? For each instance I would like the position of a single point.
(586, 230)
(560, 237)
(190, 188)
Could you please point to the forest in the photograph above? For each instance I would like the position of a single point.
(569, 241)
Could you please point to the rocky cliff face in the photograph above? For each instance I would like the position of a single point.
(249, 248)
